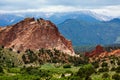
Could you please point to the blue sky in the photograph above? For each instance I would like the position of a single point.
(98, 6)
(33, 4)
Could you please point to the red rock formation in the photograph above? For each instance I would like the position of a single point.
(34, 34)
(106, 54)
(100, 52)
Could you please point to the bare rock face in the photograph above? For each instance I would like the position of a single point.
(34, 34)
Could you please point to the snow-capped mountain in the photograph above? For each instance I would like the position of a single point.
(55, 17)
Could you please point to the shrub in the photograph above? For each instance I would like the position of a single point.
(116, 77)
(118, 69)
(32, 71)
(104, 64)
(69, 71)
(86, 71)
(67, 66)
(75, 78)
(14, 70)
(103, 69)
(10, 49)
(1, 69)
(113, 69)
(1, 47)
(81, 72)
(112, 62)
(18, 51)
(88, 78)
(44, 73)
(118, 63)
(95, 64)
(62, 75)
(105, 75)
(29, 55)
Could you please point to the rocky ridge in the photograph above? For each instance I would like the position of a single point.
(34, 34)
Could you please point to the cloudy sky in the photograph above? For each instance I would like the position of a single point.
(98, 6)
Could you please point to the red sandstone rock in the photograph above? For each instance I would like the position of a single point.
(34, 34)
(100, 52)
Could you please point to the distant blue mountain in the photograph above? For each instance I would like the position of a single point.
(60, 17)
(115, 20)
(83, 28)
(91, 33)
(9, 19)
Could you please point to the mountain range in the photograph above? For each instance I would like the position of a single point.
(91, 33)
(56, 17)
(83, 28)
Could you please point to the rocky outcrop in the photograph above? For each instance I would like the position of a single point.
(34, 34)
(100, 52)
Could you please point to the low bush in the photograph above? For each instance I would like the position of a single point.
(116, 77)
(103, 69)
(104, 64)
(67, 66)
(14, 70)
(105, 75)
(1, 69)
(86, 71)
(75, 78)
(118, 69)
(113, 69)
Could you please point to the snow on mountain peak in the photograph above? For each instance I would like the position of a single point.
(101, 17)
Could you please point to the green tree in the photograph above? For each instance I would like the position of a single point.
(29, 55)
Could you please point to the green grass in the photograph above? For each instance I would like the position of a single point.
(55, 73)
(14, 70)
(60, 69)
(47, 66)
(19, 77)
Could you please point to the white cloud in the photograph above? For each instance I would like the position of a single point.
(112, 11)
(58, 8)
